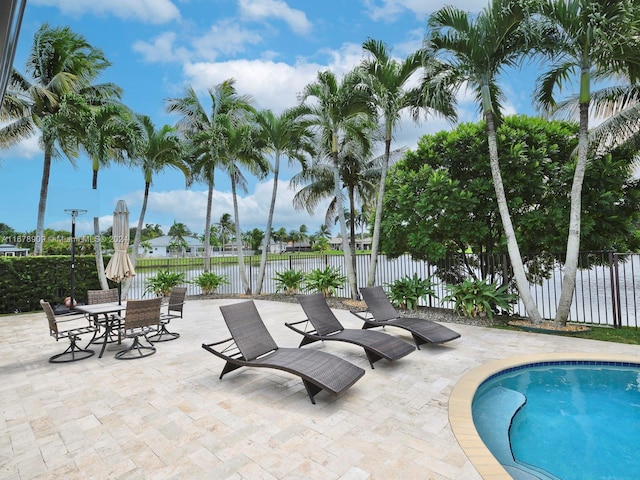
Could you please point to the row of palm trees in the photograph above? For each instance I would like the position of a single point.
(333, 130)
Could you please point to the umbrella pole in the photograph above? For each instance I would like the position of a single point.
(74, 213)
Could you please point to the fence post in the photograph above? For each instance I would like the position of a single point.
(615, 290)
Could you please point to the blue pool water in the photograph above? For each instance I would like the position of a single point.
(561, 420)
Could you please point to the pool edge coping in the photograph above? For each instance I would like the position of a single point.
(461, 398)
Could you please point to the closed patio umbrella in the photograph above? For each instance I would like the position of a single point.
(120, 267)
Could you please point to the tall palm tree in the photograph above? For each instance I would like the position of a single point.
(594, 41)
(50, 98)
(242, 149)
(477, 48)
(110, 135)
(332, 108)
(158, 149)
(285, 135)
(389, 81)
(205, 132)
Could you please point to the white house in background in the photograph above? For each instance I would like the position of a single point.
(165, 246)
(361, 243)
(7, 250)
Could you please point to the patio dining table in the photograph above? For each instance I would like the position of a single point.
(105, 309)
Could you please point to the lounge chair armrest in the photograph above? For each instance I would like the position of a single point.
(230, 350)
(365, 317)
(300, 331)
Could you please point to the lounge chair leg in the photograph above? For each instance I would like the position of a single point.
(228, 367)
(307, 341)
(419, 340)
(372, 357)
(312, 390)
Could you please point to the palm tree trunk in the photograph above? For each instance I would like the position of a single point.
(42, 204)
(267, 232)
(136, 240)
(573, 238)
(241, 267)
(353, 286)
(352, 231)
(207, 228)
(375, 241)
(524, 289)
(99, 261)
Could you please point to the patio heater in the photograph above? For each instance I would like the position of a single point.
(74, 212)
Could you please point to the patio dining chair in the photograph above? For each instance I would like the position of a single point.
(251, 345)
(141, 318)
(69, 327)
(174, 310)
(324, 326)
(381, 313)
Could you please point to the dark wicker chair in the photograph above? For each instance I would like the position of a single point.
(141, 318)
(72, 333)
(251, 345)
(383, 314)
(174, 310)
(111, 324)
(325, 326)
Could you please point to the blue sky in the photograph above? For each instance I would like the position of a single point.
(273, 48)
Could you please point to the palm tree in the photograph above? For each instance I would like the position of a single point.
(334, 107)
(158, 150)
(205, 133)
(226, 226)
(280, 236)
(285, 135)
(111, 134)
(324, 231)
(178, 231)
(242, 148)
(389, 83)
(478, 48)
(593, 40)
(51, 98)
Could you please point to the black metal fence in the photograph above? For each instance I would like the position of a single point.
(605, 286)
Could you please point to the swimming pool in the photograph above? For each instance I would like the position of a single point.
(568, 420)
(508, 388)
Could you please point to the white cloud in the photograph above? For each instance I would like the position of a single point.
(225, 37)
(148, 11)
(190, 206)
(388, 10)
(161, 49)
(263, 9)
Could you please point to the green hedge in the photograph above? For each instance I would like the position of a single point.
(26, 280)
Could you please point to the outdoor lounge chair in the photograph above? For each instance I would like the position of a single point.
(325, 326)
(72, 333)
(383, 314)
(251, 345)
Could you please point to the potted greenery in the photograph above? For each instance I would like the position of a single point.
(289, 281)
(210, 281)
(325, 281)
(163, 282)
(478, 298)
(407, 291)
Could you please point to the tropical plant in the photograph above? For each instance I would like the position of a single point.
(477, 48)
(290, 281)
(285, 135)
(593, 41)
(325, 281)
(389, 81)
(477, 297)
(407, 291)
(210, 281)
(53, 98)
(163, 282)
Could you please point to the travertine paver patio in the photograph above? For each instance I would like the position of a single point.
(169, 416)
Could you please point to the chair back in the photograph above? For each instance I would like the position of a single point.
(319, 314)
(142, 313)
(102, 296)
(176, 300)
(248, 330)
(51, 317)
(378, 303)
